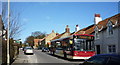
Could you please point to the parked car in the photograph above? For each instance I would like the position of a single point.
(45, 49)
(103, 59)
(28, 50)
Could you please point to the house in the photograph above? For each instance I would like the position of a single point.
(107, 34)
(37, 42)
(64, 34)
(46, 40)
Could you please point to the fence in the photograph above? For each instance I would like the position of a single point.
(14, 51)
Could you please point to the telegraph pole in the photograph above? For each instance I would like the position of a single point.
(1, 28)
(8, 49)
(1, 33)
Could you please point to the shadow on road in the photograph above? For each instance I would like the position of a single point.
(75, 60)
(44, 64)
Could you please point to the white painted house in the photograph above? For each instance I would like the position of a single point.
(107, 34)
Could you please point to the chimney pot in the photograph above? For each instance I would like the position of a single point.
(97, 15)
(57, 33)
(97, 18)
(52, 30)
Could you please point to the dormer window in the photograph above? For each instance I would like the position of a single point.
(110, 28)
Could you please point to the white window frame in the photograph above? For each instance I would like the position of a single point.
(109, 31)
(96, 33)
(112, 49)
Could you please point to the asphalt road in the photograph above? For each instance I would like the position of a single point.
(43, 58)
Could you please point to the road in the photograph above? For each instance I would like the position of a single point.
(43, 58)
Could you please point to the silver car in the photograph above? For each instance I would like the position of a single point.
(28, 50)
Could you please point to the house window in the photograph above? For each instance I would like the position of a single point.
(96, 33)
(110, 28)
(97, 36)
(111, 48)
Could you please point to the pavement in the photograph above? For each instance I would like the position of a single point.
(21, 58)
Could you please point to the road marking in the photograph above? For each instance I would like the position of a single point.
(31, 57)
(36, 58)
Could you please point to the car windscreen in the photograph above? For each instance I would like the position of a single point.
(28, 48)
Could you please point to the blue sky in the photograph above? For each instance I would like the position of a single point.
(62, 0)
(48, 16)
(0, 7)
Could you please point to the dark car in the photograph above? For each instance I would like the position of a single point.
(103, 59)
(45, 49)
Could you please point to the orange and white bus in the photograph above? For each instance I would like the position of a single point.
(77, 46)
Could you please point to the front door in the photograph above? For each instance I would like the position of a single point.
(98, 49)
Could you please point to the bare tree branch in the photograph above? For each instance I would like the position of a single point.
(15, 26)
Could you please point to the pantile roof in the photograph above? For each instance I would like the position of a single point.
(87, 30)
(90, 29)
(114, 19)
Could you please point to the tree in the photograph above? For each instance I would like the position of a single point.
(14, 25)
(30, 40)
(34, 35)
(38, 34)
(14, 30)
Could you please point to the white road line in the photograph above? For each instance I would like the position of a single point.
(36, 58)
(31, 57)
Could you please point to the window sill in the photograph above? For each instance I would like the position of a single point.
(97, 38)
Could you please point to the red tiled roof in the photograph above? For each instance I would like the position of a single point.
(87, 30)
(113, 19)
(103, 23)
(90, 29)
(58, 36)
(37, 40)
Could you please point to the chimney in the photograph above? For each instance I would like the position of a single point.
(67, 29)
(52, 31)
(77, 28)
(97, 19)
(57, 34)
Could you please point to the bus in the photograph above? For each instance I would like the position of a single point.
(77, 46)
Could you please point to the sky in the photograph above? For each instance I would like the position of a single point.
(0, 7)
(48, 16)
(61, 0)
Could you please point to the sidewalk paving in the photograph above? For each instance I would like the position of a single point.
(21, 58)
